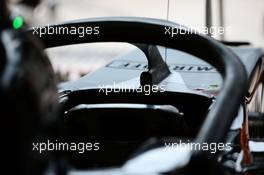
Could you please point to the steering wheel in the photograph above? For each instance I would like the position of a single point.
(155, 32)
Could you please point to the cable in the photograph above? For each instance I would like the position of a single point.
(167, 17)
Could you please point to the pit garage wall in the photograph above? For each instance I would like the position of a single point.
(245, 18)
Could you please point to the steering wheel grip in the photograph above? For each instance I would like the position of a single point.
(152, 31)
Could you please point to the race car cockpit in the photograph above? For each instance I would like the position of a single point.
(179, 103)
(192, 90)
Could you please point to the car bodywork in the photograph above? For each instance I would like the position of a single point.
(191, 92)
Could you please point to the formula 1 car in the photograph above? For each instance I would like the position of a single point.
(196, 105)
(139, 107)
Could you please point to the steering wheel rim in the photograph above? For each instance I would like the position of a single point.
(152, 31)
